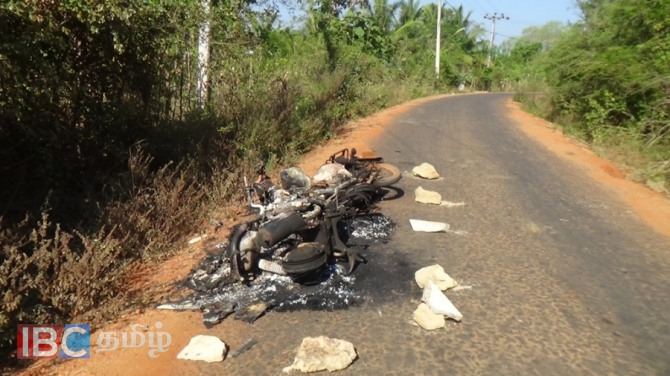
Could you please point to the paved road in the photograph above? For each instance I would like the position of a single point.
(566, 281)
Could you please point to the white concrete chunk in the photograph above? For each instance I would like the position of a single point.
(323, 353)
(437, 275)
(426, 171)
(427, 197)
(439, 303)
(428, 226)
(206, 348)
(428, 319)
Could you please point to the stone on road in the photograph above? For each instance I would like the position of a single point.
(428, 226)
(427, 197)
(437, 275)
(323, 353)
(426, 171)
(439, 303)
(428, 319)
(205, 348)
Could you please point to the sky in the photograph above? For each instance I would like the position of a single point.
(521, 13)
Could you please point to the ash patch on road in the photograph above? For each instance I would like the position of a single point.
(369, 230)
(218, 294)
(249, 300)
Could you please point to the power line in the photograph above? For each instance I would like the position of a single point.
(483, 8)
(489, 3)
(499, 34)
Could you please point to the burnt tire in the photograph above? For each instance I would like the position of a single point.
(306, 263)
(388, 175)
(233, 251)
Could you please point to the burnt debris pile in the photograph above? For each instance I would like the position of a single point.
(218, 293)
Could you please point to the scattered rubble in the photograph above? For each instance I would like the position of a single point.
(216, 312)
(206, 348)
(427, 197)
(460, 288)
(436, 274)
(322, 353)
(439, 303)
(428, 319)
(426, 171)
(428, 226)
(250, 313)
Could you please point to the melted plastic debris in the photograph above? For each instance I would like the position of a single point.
(247, 345)
(218, 294)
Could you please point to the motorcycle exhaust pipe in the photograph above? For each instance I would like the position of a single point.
(273, 232)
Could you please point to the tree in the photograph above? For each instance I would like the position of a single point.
(547, 35)
(410, 11)
(383, 13)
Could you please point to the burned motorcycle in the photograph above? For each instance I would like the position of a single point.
(297, 228)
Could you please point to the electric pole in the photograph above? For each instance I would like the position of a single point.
(437, 40)
(495, 17)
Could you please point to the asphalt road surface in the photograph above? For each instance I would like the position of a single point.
(565, 279)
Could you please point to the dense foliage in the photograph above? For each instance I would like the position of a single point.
(606, 79)
(107, 158)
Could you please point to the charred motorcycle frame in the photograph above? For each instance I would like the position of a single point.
(297, 228)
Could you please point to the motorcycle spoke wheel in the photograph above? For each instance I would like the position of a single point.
(387, 175)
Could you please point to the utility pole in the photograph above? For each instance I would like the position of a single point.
(437, 40)
(495, 17)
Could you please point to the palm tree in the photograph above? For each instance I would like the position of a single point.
(429, 14)
(383, 13)
(409, 20)
(457, 26)
(410, 10)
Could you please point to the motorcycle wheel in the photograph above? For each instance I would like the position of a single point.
(233, 251)
(388, 175)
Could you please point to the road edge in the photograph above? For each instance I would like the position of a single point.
(651, 207)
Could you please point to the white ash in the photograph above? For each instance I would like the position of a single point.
(376, 228)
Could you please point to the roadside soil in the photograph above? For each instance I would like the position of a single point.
(652, 207)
